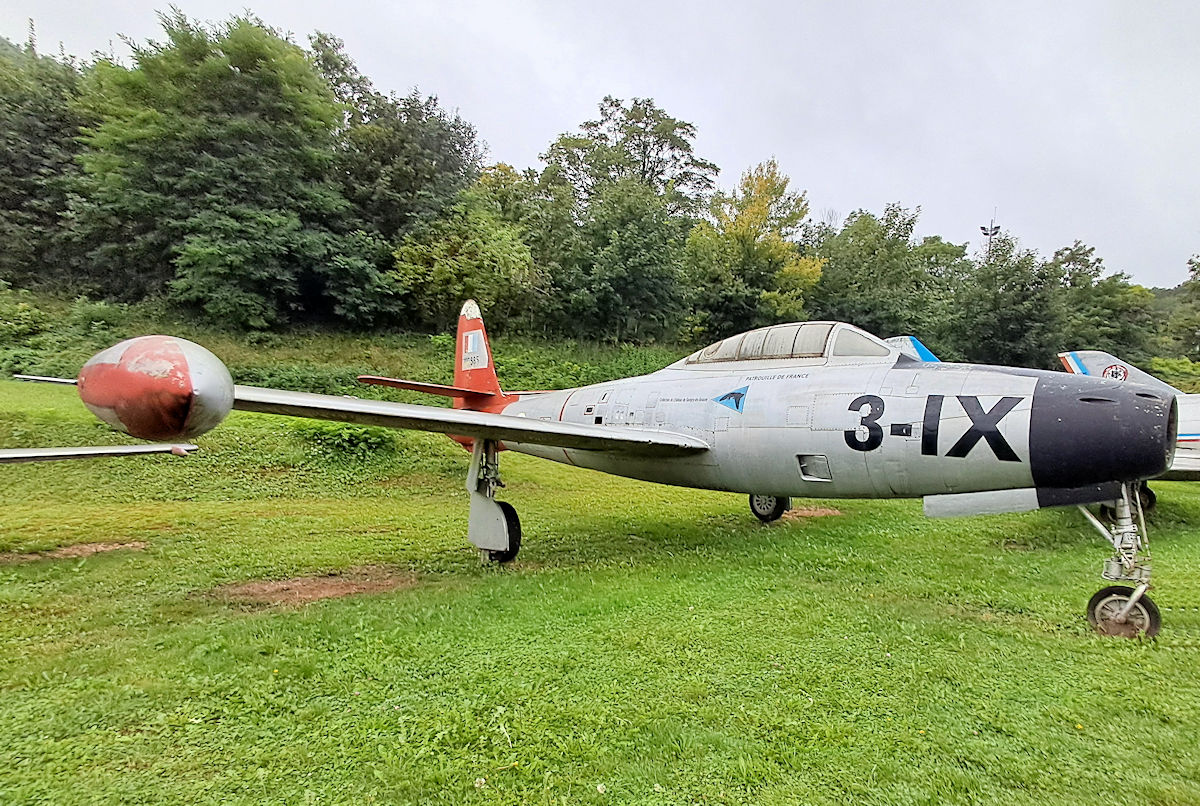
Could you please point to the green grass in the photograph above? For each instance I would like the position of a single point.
(652, 640)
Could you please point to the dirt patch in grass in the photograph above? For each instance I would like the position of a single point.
(801, 513)
(69, 552)
(299, 591)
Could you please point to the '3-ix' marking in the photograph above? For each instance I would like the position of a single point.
(985, 425)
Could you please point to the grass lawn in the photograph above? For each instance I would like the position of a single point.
(651, 645)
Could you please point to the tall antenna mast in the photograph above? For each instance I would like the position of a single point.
(990, 231)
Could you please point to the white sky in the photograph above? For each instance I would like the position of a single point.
(1070, 120)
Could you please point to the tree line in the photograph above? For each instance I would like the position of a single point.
(260, 183)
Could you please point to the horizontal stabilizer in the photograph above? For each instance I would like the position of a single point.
(15, 455)
(996, 502)
(427, 388)
(466, 423)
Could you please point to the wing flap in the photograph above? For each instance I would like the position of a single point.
(466, 423)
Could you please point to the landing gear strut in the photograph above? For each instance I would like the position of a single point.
(1146, 497)
(769, 508)
(493, 527)
(1120, 609)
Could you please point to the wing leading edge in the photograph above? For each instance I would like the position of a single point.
(466, 423)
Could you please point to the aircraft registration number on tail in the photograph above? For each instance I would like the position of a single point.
(474, 354)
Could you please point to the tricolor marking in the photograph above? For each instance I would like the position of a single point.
(1073, 364)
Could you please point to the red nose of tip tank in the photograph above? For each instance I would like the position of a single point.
(157, 388)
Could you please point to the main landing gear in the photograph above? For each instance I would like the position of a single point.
(493, 527)
(1121, 609)
(768, 508)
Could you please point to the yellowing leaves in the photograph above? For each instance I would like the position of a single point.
(761, 206)
(746, 251)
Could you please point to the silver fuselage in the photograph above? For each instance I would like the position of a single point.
(864, 427)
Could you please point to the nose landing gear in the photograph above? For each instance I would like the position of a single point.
(1119, 609)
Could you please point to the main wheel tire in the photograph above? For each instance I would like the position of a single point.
(514, 535)
(768, 508)
(1148, 498)
(1143, 620)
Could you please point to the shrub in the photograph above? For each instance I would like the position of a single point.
(300, 377)
(1181, 373)
(19, 318)
(345, 441)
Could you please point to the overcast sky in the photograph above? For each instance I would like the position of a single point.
(1067, 120)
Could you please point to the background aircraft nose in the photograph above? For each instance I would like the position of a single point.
(1088, 431)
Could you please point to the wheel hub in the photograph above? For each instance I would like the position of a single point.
(763, 504)
(1138, 620)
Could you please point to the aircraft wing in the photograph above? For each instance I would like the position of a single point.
(465, 423)
(14, 455)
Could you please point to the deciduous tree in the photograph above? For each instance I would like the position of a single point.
(1104, 312)
(878, 276)
(207, 177)
(400, 160)
(38, 128)
(629, 284)
(637, 141)
(469, 253)
(1010, 308)
(745, 269)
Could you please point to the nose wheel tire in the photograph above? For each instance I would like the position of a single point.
(1105, 607)
(768, 508)
(514, 535)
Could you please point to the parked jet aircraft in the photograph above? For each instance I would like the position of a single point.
(813, 409)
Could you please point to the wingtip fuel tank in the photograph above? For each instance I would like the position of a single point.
(157, 388)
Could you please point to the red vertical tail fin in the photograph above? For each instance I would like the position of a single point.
(473, 367)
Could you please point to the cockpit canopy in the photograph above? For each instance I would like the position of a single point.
(794, 340)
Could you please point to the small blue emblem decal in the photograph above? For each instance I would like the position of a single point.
(734, 400)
